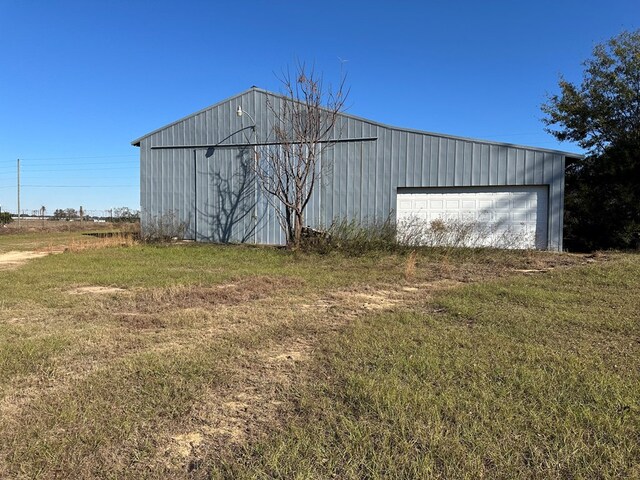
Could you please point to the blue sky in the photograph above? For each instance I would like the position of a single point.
(80, 79)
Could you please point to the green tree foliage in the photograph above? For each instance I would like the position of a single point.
(125, 214)
(5, 217)
(602, 115)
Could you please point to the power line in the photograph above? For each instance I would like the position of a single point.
(71, 158)
(70, 169)
(46, 163)
(78, 186)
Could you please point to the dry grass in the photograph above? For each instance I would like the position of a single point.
(119, 239)
(410, 266)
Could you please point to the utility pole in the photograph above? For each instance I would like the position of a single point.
(18, 193)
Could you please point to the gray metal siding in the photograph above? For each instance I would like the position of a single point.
(361, 184)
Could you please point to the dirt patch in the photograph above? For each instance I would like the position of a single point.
(95, 290)
(354, 302)
(242, 411)
(184, 444)
(14, 259)
(152, 302)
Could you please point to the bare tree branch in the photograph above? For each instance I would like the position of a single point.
(306, 122)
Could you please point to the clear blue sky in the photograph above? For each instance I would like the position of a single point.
(80, 79)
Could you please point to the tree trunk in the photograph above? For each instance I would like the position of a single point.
(297, 229)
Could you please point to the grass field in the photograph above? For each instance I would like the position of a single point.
(192, 361)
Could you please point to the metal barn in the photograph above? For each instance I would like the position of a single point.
(198, 170)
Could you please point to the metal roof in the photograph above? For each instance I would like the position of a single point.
(136, 142)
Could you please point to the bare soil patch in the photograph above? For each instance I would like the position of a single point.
(181, 297)
(243, 411)
(14, 259)
(95, 290)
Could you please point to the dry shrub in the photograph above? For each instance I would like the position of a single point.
(162, 228)
(410, 265)
(110, 241)
(453, 233)
(352, 237)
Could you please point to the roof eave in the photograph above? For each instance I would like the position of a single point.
(137, 141)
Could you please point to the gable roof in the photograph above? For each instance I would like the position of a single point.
(136, 142)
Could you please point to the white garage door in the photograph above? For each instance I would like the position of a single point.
(508, 217)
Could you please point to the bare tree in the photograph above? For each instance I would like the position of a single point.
(305, 124)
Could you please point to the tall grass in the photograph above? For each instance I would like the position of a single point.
(352, 237)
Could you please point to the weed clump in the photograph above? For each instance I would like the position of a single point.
(162, 228)
(403, 236)
(351, 237)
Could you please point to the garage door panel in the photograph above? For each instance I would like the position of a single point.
(512, 217)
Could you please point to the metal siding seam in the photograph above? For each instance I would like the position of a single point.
(461, 169)
(444, 168)
(441, 165)
(468, 152)
(338, 202)
(418, 160)
(380, 154)
(164, 178)
(196, 129)
(172, 181)
(434, 159)
(491, 179)
(476, 157)
(512, 165)
(180, 193)
(458, 159)
(451, 162)
(401, 160)
(502, 166)
(493, 167)
(485, 165)
(392, 178)
(528, 167)
(347, 192)
(425, 160)
(344, 183)
(414, 159)
(334, 185)
(519, 167)
(375, 193)
(352, 182)
(362, 183)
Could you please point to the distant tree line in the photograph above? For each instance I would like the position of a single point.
(120, 214)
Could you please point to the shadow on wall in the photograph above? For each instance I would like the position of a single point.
(233, 202)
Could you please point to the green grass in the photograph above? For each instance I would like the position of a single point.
(20, 241)
(530, 377)
(278, 364)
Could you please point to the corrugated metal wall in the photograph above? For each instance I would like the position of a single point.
(210, 186)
